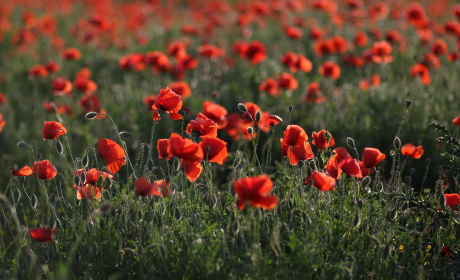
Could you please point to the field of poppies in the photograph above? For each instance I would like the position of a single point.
(208, 139)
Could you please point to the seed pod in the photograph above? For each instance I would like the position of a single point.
(21, 144)
(124, 134)
(91, 115)
(59, 147)
(85, 161)
(242, 107)
(397, 143)
(350, 142)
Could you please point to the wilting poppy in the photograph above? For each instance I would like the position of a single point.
(112, 153)
(216, 113)
(321, 141)
(372, 157)
(25, 171)
(214, 150)
(321, 181)
(330, 69)
(452, 200)
(44, 170)
(203, 126)
(255, 190)
(52, 130)
(144, 188)
(185, 148)
(71, 54)
(456, 121)
(273, 120)
(42, 234)
(410, 150)
(168, 101)
(181, 88)
(270, 86)
(88, 191)
(61, 86)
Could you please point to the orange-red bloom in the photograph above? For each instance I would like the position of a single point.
(410, 150)
(216, 113)
(88, 191)
(181, 88)
(92, 176)
(185, 148)
(320, 141)
(217, 150)
(61, 86)
(255, 190)
(71, 54)
(456, 121)
(202, 125)
(52, 130)
(330, 69)
(144, 188)
(112, 153)
(164, 149)
(25, 171)
(255, 52)
(296, 153)
(192, 169)
(422, 72)
(273, 120)
(37, 71)
(293, 32)
(42, 234)
(314, 93)
(288, 82)
(294, 135)
(439, 47)
(168, 101)
(372, 157)
(381, 52)
(270, 86)
(44, 170)
(321, 181)
(452, 200)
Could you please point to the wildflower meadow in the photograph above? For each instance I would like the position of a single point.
(229, 139)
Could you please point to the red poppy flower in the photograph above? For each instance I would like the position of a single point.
(422, 72)
(164, 149)
(44, 170)
(158, 60)
(270, 86)
(52, 130)
(144, 188)
(288, 82)
(217, 150)
(92, 176)
(290, 59)
(393, 36)
(321, 181)
(453, 56)
(134, 61)
(84, 84)
(315, 33)
(273, 120)
(293, 32)
(445, 252)
(330, 69)
(304, 64)
(343, 161)
(381, 52)
(452, 200)
(296, 153)
(88, 191)
(314, 94)
(177, 49)
(353, 60)
(372, 157)
(360, 39)
(149, 101)
(3, 98)
(256, 52)
(320, 141)
(415, 14)
(37, 71)
(202, 125)
(187, 62)
(439, 47)
(340, 43)
(210, 51)
(168, 101)
(255, 190)
(112, 153)
(324, 47)
(410, 150)
(234, 126)
(25, 171)
(364, 170)
(61, 87)
(52, 67)
(192, 169)
(181, 88)
(294, 135)
(456, 121)
(42, 234)
(252, 110)
(216, 113)
(185, 148)
(89, 103)
(71, 54)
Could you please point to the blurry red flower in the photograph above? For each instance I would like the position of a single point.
(439, 47)
(321, 181)
(393, 36)
(217, 150)
(415, 14)
(89, 103)
(52, 130)
(255, 190)
(293, 32)
(372, 157)
(44, 170)
(168, 101)
(158, 60)
(315, 33)
(320, 141)
(340, 43)
(3, 98)
(144, 188)
(71, 54)
(37, 71)
(288, 82)
(149, 101)
(360, 39)
(420, 70)
(234, 125)
(61, 86)
(324, 47)
(177, 49)
(445, 252)
(42, 234)
(210, 51)
(314, 94)
(25, 171)
(2, 122)
(256, 52)
(181, 88)
(84, 84)
(381, 52)
(52, 67)
(330, 69)
(88, 191)
(203, 126)
(134, 61)
(452, 200)
(112, 153)
(410, 150)
(456, 121)
(216, 113)
(270, 86)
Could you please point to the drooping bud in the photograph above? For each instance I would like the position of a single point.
(350, 142)
(124, 134)
(366, 181)
(397, 143)
(91, 115)
(291, 108)
(242, 107)
(22, 144)
(59, 148)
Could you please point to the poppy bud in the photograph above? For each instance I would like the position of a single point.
(59, 148)
(428, 161)
(397, 143)
(408, 103)
(150, 164)
(351, 142)
(242, 107)
(290, 109)
(85, 161)
(356, 221)
(91, 115)
(182, 113)
(249, 130)
(412, 170)
(208, 149)
(366, 181)
(38, 156)
(22, 144)
(258, 116)
(124, 134)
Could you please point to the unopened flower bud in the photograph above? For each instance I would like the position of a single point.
(249, 130)
(38, 156)
(208, 149)
(242, 107)
(408, 103)
(397, 143)
(91, 115)
(124, 134)
(290, 109)
(22, 144)
(258, 116)
(366, 181)
(350, 142)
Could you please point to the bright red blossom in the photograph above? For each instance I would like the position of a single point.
(255, 190)
(52, 130)
(112, 153)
